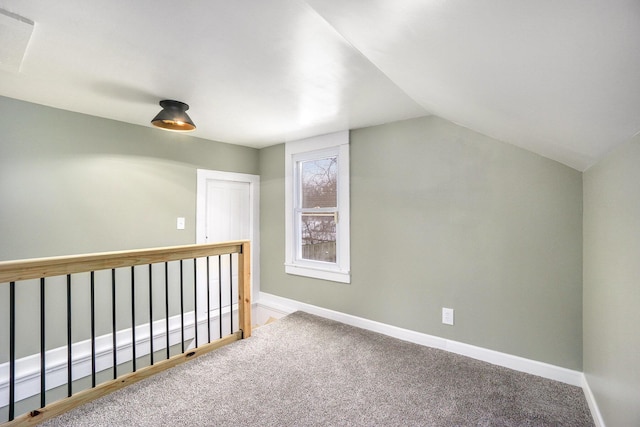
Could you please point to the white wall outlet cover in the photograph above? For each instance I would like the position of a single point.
(180, 223)
(447, 316)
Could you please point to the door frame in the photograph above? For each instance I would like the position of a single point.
(202, 175)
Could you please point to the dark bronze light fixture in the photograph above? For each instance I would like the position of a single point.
(173, 117)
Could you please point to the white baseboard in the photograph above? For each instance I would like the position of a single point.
(591, 401)
(274, 306)
(557, 373)
(269, 305)
(27, 369)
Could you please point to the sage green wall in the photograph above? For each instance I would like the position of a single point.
(72, 183)
(612, 284)
(444, 217)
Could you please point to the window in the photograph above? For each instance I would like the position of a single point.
(317, 207)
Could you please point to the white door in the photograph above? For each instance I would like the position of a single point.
(226, 210)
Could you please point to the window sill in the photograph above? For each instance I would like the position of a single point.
(316, 273)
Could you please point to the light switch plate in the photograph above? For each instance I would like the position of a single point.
(180, 223)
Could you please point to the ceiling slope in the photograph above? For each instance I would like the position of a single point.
(558, 78)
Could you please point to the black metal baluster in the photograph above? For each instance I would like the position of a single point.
(220, 293)
(133, 316)
(150, 314)
(230, 293)
(166, 304)
(43, 342)
(43, 372)
(12, 348)
(114, 343)
(195, 300)
(181, 307)
(93, 330)
(208, 305)
(69, 338)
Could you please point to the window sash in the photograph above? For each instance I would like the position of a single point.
(330, 249)
(300, 211)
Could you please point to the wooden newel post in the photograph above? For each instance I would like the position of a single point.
(244, 289)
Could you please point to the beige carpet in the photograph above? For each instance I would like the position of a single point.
(308, 371)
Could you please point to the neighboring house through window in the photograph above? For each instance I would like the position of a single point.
(317, 207)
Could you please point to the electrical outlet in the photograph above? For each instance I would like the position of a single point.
(447, 316)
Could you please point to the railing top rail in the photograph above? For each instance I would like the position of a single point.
(13, 271)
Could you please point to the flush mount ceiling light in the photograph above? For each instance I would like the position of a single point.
(173, 117)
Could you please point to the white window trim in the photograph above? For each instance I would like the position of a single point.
(340, 271)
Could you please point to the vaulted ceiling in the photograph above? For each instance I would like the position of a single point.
(558, 77)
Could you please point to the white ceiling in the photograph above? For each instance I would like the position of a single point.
(558, 77)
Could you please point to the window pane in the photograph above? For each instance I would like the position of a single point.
(319, 183)
(318, 237)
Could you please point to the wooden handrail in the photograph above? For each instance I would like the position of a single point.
(20, 270)
(13, 271)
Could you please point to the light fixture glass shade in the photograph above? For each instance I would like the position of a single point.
(173, 117)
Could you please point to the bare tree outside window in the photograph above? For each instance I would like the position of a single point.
(319, 213)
